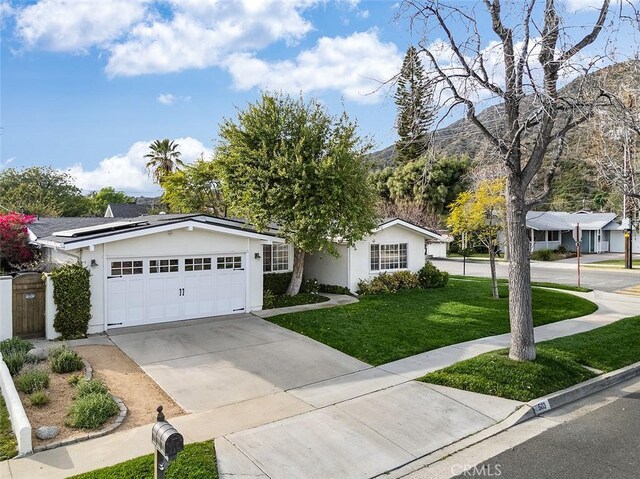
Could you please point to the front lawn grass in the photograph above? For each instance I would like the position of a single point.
(540, 284)
(8, 443)
(559, 364)
(614, 262)
(387, 327)
(197, 461)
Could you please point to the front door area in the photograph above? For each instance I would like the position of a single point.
(154, 290)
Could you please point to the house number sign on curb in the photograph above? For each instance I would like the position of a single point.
(542, 406)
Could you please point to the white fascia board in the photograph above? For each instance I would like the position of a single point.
(168, 227)
(417, 229)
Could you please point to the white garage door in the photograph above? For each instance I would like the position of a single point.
(154, 290)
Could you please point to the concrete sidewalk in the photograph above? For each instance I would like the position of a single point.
(356, 425)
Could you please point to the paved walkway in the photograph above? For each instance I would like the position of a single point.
(359, 424)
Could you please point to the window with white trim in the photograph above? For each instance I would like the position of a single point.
(275, 257)
(229, 262)
(121, 268)
(197, 264)
(163, 266)
(554, 235)
(385, 257)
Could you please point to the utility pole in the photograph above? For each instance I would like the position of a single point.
(627, 202)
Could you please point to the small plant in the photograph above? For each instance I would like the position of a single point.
(562, 249)
(431, 277)
(310, 286)
(39, 398)
(14, 361)
(56, 350)
(66, 362)
(268, 299)
(91, 411)
(74, 379)
(85, 387)
(31, 359)
(542, 255)
(15, 345)
(32, 380)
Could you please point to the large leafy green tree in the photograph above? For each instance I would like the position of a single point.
(42, 191)
(99, 200)
(194, 189)
(164, 159)
(289, 161)
(416, 113)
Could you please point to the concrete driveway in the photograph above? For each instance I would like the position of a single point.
(205, 364)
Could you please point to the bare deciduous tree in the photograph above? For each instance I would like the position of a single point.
(535, 49)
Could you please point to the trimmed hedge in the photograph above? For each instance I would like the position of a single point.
(72, 296)
(277, 283)
(431, 277)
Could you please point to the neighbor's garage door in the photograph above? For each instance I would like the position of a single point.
(154, 290)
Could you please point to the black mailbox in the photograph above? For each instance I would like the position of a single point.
(167, 440)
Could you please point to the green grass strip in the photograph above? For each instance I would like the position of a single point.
(8, 443)
(197, 461)
(559, 364)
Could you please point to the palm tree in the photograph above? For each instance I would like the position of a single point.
(164, 159)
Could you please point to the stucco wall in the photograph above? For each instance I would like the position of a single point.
(616, 242)
(180, 243)
(6, 307)
(360, 259)
(328, 269)
(437, 250)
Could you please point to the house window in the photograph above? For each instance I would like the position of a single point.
(554, 235)
(539, 235)
(229, 262)
(163, 266)
(197, 264)
(388, 256)
(275, 257)
(121, 268)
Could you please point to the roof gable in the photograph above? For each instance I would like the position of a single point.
(427, 233)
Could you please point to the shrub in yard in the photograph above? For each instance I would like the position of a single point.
(334, 288)
(562, 249)
(542, 255)
(268, 299)
(91, 411)
(74, 379)
(431, 277)
(85, 387)
(66, 361)
(389, 283)
(39, 398)
(31, 380)
(14, 361)
(15, 344)
(31, 359)
(310, 286)
(277, 283)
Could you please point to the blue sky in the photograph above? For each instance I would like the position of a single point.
(87, 84)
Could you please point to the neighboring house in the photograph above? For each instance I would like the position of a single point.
(393, 246)
(160, 268)
(126, 210)
(550, 229)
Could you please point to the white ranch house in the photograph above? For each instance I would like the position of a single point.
(161, 268)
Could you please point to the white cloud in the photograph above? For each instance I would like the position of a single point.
(5, 163)
(200, 33)
(75, 25)
(354, 65)
(363, 14)
(127, 171)
(166, 99)
(575, 5)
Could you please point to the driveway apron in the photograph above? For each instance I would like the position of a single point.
(205, 364)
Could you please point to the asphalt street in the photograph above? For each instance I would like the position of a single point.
(604, 443)
(591, 277)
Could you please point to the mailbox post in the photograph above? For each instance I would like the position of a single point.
(168, 443)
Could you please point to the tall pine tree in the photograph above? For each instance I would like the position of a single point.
(416, 113)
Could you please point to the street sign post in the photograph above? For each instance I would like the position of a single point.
(577, 237)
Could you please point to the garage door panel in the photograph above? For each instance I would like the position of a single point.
(170, 289)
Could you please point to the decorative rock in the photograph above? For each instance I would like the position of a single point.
(40, 353)
(47, 432)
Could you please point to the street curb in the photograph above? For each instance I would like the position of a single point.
(582, 390)
(524, 413)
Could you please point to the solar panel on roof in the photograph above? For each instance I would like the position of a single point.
(117, 225)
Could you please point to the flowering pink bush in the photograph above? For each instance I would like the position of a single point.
(14, 238)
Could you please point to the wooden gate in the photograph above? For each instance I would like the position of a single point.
(28, 305)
